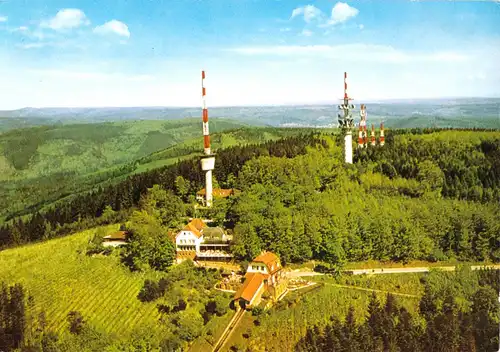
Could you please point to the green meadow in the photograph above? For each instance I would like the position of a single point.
(62, 278)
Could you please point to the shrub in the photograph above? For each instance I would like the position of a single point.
(76, 322)
(256, 311)
(149, 292)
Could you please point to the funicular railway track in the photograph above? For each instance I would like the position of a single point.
(229, 329)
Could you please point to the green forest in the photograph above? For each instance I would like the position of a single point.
(443, 323)
(430, 195)
(42, 165)
(300, 201)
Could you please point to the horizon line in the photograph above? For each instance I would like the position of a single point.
(319, 103)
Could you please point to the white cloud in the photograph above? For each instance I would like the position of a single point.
(4, 18)
(89, 76)
(33, 45)
(353, 52)
(307, 33)
(115, 27)
(66, 19)
(54, 44)
(480, 76)
(310, 13)
(341, 12)
(22, 29)
(361, 26)
(288, 29)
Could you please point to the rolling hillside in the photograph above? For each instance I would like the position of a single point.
(84, 148)
(450, 112)
(41, 165)
(46, 162)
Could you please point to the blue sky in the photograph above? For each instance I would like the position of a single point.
(151, 52)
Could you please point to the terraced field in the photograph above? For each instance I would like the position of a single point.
(62, 278)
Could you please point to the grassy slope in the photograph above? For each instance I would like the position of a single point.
(62, 280)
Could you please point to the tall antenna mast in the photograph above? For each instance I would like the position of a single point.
(206, 134)
(208, 159)
(346, 123)
(382, 137)
(373, 142)
(362, 125)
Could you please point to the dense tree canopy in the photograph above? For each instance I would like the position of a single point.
(311, 207)
(444, 325)
(427, 195)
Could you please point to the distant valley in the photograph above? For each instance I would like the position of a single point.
(458, 113)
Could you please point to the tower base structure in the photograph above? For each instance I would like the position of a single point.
(207, 165)
(348, 147)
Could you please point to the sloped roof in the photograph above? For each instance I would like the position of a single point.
(120, 235)
(217, 192)
(198, 223)
(249, 288)
(195, 226)
(269, 259)
(213, 232)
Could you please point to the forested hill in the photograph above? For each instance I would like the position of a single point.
(40, 166)
(300, 200)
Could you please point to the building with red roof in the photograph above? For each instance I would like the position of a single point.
(216, 193)
(264, 273)
(199, 241)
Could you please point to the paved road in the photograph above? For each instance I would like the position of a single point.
(298, 273)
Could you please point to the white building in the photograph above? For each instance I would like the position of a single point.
(198, 241)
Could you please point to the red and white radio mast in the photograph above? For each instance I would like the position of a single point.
(208, 159)
(382, 138)
(360, 137)
(362, 125)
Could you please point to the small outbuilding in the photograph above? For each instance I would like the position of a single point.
(115, 239)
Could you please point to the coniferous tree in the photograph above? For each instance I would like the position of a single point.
(331, 335)
(427, 305)
(16, 311)
(349, 332)
(484, 314)
(375, 319)
(388, 325)
(467, 337)
(406, 332)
